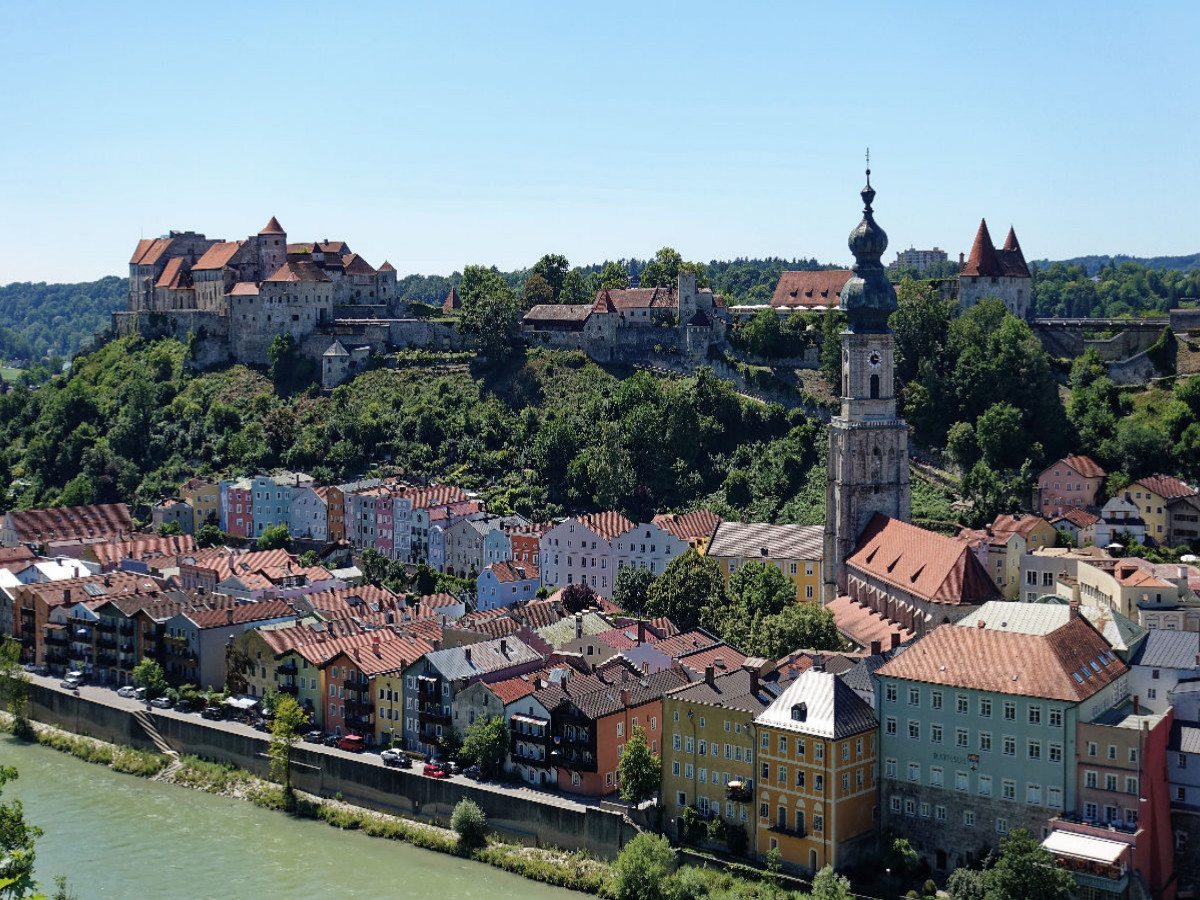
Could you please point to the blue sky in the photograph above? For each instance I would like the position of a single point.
(441, 134)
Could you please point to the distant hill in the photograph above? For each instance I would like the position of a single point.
(1094, 264)
(56, 318)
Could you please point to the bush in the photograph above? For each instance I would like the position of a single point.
(642, 869)
(469, 823)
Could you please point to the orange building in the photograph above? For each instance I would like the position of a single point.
(816, 786)
(334, 502)
(524, 541)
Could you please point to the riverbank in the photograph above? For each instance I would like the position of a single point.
(572, 870)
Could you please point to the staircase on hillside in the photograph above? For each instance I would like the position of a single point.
(160, 742)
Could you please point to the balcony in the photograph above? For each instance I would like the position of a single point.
(57, 638)
(740, 791)
(106, 643)
(789, 832)
(527, 757)
(426, 718)
(287, 668)
(106, 660)
(108, 626)
(366, 721)
(429, 687)
(55, 658)
(289, 689)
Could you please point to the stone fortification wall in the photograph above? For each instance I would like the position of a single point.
(429, 335)
(361, 780)
(1135, 370)
(207, 332)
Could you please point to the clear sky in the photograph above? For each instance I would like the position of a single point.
(441, 134)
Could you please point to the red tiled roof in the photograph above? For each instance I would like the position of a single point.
(687, 642)
(218, 255)
(101, 521)
(1055, 666)
(9, 555)
(354, 264)
(452, 301)
(175, 275)
(931, 566)
(1022, 524)
(721, 657)
(142, 246)
(240, 615)
(1080, 518)
(863, 625)
(244, 289)
(434, 495)
(640, 298)
(985, 259)
(512, 689)
(298, 271)
(1085, 466)
(1166, 486)
(507, 571)
(387, 267)
(823, 288)
(337, 248)
(154, 252)
(143, 549)
(690, 527)
(272, 227)
(606, 524)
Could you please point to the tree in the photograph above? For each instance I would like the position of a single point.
(578, 597)
(762, 335)
(689, 584)
(149, 674)
(17, 840)
(639, 770)
(486, 744)
(632, 589)
(289, 719)
(537, 291)
(310, 558)
(167, 529)
(613, 277)
(761, 589)
(1002, 440)
(14, 687)
(663, 270)
(374, 565)
(469, 823)
(577, 288)
(641, 870)
(210, 536)
(1025, 870)
(489, 312)
(828, 885)
(275, 537)
(552, 268)
(921, 323)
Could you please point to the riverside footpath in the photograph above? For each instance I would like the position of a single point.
(520, 814)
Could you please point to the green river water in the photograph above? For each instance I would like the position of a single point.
(116, 836)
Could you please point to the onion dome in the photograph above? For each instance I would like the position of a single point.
(868, 298)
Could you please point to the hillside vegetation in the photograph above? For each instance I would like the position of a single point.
(56, 319)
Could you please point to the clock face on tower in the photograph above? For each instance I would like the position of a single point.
(874, 359)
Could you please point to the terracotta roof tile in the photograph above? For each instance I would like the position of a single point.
(353, 264)
(931, 566)
(507, 571)
(863, 625)
(1080, 518)
(1166, 486)
(272, 227)
(240, 615)
(101, 521)
(452, 301)
(142, 246)
(639, 298)
(387, 267)
(693, 526)
(244, 289)
(1022, 524)
(155, 251)
(218, 255)
(822, 288)
(606, 524)
(721, 657)
(143, 548)
(298, 271)
(1085, 466)
(1071, 663)
(175, 275)
(986, 260)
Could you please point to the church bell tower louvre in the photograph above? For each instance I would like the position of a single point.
(868, 441)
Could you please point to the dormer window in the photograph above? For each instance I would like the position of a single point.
(800, 712)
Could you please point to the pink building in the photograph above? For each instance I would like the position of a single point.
(1072, 482)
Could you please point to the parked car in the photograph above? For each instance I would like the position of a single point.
(77, 676)
(69, 684)
(434, 770)
(161, 702)
(451, 767)
(331, 740)
(355, 743)
(129, 692)
(314, 737)
(213, 712)
(397, 758)
(474, 773)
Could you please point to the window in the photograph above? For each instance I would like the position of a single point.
(985, 707)
(889, 768)
(924, 810)
(985, 785)
(1091, 748)
(1131, 784)
(1055, 752)
(1110, 781)
(818, 824)
(985, 741)
(961, 782)
(1035, 715)
(1008, 789)
(781, 775)
(935, 776)
(889, 725)
(1010, 745)
(800, 778)
(1112, 751)
(782, 744)
(1054, 797)
(914, 771)
(689, 745)
(969, 818)
(1033, 749)
(960, 737)
(1010, 711)
(1089, 812)
(895, 804)
(914, 729)
(676, 742)
(914, 696)
(1001, 826)
(1089, 779)
(1033, 794)
(1056, 717)
(818, 751)
(935, 699)
(819, 783)
(935, 733)
(800, 746)
(960, 704)
(890, 693)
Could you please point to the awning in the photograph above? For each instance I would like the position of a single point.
(1083, 846)
(532, 720)
(241, 702)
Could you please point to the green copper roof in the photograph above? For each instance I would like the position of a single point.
(868, 298)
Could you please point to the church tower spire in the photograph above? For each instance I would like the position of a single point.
(868, 442)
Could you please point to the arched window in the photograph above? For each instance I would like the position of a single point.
(874, 387)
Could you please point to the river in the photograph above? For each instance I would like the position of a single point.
(116, 836)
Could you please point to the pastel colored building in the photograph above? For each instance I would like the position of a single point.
(694, 528)
(817, 771)
(796, 550)
(1073, 482)
(308, 515)
(237, 507)
(1154, 496)
(581, 551)
(506, 584)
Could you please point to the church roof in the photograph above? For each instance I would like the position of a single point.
(273, 227)
(868, 299)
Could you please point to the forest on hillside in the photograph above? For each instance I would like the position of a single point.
(56, 319)
(1125, 289)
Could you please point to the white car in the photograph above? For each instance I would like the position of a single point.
(128, 692)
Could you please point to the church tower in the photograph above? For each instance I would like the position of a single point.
(868, 442)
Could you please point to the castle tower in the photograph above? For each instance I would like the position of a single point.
(868, 442)
(272, 249)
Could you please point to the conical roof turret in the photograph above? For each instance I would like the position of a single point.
(983, 259)
(868, 298)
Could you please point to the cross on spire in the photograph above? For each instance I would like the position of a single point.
(868, 167)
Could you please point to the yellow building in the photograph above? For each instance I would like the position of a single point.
(1153, 495)
(708, 748)
(204, 498)
(817, 774)
(389, 707)
(796, 550)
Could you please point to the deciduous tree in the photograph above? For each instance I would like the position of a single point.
(289, 719)
(485, 744)
(639, 770)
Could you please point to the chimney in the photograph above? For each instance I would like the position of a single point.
(895, 639)
(437, 645)
(578, 625)
(710, 674)
(818, 663)
(229, 616)
(467, 653)
(625, 697)
(719, 662)
(641, 632)
(961, 260)
(876, 648)
(645, 667)
(1137, 705)
(754, 681)
(503, 647)
(1074, 608)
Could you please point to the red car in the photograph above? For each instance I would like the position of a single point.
(434, 770)
(352, 742)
